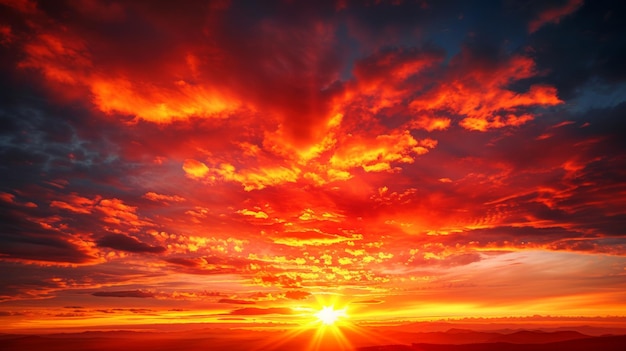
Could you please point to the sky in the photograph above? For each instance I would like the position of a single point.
(248, 162)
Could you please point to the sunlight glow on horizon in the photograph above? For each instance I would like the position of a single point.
(328, 315)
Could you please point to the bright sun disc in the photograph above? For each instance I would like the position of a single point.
(328, 315)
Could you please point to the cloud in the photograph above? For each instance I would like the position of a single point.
(10, 313)
(475, 89)
(191, 80)
(284, 280)
(373, 147)
(596, 73)
(297, 294)
(30, 239)
(236, 302)
(255, 214)
(75, 203)
(311, 238)
(367, 302)
(253, 311)
(553, 14)
(382, 79)
(195, 169)
(158, 103)
(10, 198)
(187, 262)
(250, 179)
(378, 154)
(25, 6)
(127, 243)
(219, 264)
(431, 123)
(163, 198)
(117, 212)
(6, 197)
(127, 293)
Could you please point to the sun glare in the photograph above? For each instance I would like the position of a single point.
(329, 316)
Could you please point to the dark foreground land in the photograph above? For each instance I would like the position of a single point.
(607, 343)
(313, 340)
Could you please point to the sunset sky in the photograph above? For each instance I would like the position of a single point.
(254, 161)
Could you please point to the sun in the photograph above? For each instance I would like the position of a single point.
(328, 315)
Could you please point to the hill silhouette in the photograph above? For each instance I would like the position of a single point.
(604, 343)
(284, 340)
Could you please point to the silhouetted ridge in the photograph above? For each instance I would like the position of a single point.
(603, 343)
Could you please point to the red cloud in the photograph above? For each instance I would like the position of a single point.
(553, 14)
(6, 197)
(6, 35)
(394, 65)
(26, 6)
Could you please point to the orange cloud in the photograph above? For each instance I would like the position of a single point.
(64, 57)
(297, 294)
(195, 169)
(76, 203)
(479, 94)
(159, 103)
(378, 154)
(312, 238)
(163, 198)
(117, 212)
(431, 123)
(236, 301)
(256, 214)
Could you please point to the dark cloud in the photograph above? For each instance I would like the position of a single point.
(218, 264)
(10, 313)
(36, 281)
(126, 243)
(584, 46)
(27, 240)
(128, 293)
